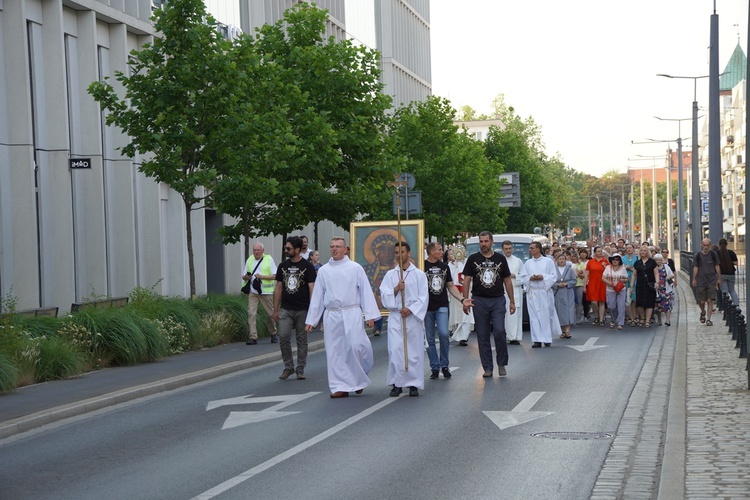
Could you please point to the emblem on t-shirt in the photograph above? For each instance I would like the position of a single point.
(293, 279)
(488, 272)
(437, 281)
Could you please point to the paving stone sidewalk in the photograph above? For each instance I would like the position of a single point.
(685, 432)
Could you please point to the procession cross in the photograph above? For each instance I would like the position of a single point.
(398, 184)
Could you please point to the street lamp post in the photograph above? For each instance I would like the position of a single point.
(695, 200)
(680, 189)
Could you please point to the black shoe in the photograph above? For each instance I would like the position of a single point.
(274, 339)
(547, 344)
(376, 333)
(396, 392)
(251, 342)
(446, 373)
(413, 392)
(463, 342)
(434, 374)
(514, 342)
(536, 344)
(487, 374)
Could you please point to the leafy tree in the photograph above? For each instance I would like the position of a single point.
(459, 184)
(178, 104)
(518, 148)
(322, 151)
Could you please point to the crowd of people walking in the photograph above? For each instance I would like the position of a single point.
(561, 285)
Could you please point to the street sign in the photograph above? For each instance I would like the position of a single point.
(409, 179)
(510, 190)
(77, 163)
(411, 205)
(704, 207)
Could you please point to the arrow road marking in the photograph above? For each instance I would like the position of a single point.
(238, 418)
(520, 414)
(588, 346)
(241, 478)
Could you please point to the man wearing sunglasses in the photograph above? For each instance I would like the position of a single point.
(295, 280)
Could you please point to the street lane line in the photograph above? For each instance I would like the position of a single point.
(529, 401)
(241, 478)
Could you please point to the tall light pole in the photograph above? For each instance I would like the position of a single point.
(680, 189)
(654, 212)
(695, 200)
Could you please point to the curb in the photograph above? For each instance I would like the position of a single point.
(44, 417)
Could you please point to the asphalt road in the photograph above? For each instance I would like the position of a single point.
(251, 435)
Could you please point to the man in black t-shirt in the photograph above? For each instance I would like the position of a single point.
(485, 274)
(439, 284)
(295, 279)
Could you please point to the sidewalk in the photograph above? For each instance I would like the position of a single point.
(685, 432)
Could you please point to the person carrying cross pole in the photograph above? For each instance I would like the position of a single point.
(404, 293)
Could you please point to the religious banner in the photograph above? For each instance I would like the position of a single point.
(373, 247)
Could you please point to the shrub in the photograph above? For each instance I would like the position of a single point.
(8, 372)
(117, 336)
(57, 359)
(233, 306)
(176, 334)
(157, 343)
(217, 327)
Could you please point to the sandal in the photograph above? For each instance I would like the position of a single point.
(612, 325)
(619, 327)
(668, 324)
(562, 336)
(567, 335)
(659, 323)
(703, 317)
(709, 322)
(647, 325)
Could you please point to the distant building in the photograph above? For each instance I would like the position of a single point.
(478, 129)
(733, 106)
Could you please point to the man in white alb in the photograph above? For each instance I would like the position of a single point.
(343, 292)
(415, 300)
(537, 278)
(514, 322)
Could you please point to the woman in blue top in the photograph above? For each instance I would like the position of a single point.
(628, 260)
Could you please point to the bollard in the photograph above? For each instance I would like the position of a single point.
(727, 302)
(742, 339)
(730, 315)
(736, 335)
(720, 301)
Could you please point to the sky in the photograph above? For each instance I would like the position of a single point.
(584, 70)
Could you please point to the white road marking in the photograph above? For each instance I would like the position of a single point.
(588, 346)
(238, 418)
(520, 414)
(231, 483)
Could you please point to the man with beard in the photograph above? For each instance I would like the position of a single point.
(305, 253)
(295, 279)
(485, 274)
(514, 322)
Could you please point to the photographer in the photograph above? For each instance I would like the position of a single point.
(260, 270)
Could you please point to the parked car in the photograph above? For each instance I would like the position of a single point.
(521, 243)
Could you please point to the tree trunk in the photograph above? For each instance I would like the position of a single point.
(315, 233)
(191, 263)
(245, 232)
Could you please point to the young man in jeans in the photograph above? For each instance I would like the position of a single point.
(439, 284)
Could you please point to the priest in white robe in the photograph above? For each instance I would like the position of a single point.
(343, 291)
(538, 277)
(514, 322)
(416, 298)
